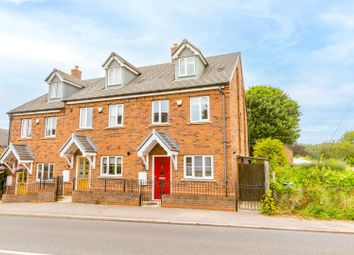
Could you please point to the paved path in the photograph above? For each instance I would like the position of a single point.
(170, 215)
(62, 236)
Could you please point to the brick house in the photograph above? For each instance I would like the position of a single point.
(181, 121)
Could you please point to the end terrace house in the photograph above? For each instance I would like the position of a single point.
(179, 122)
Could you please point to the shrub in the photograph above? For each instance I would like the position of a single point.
(273, 149)
(314, 191)
(267, 203)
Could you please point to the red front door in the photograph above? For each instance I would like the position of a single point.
(162, 167)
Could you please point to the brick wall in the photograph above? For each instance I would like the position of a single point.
(199, 202)
(100, 197)
(193, 139)
(41, 196)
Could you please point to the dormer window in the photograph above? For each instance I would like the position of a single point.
(55, 90)
(186, 66)
(114, 76)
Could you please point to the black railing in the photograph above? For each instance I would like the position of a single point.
(30, 188)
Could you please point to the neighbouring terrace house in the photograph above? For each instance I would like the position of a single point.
(165, 125)
(4, 139)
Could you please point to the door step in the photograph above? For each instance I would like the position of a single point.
(64, 199)
(153, 203)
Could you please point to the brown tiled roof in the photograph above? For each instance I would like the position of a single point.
(85, 143)
(170, 143)
(158, 78)
(39, 104)
(69, 78)
(153, 78)
(113, 54)
(24, 151)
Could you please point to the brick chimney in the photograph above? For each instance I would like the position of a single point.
(173, 49)
(76, 72)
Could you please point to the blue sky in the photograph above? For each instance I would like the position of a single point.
(305, 48)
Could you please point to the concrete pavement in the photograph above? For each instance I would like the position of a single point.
(242, 219)
(28, 235)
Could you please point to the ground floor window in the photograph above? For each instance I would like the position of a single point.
(199, 167)
(111, 166)
(45, 171)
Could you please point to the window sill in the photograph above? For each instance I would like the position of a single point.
(25, 139)
(48, 138)
(186, 75)
(197, 180)
(83, 129)
(116, 127)
(111, 177)
(160, 125)
(46, 182)
(199, 122)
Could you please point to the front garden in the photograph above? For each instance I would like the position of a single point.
(320, 189)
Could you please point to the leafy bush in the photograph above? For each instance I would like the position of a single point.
(273, 149)
(267, 203)
(314, 191)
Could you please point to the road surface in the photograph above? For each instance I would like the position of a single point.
(26, 235)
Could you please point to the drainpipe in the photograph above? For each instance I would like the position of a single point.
(221, 89)
(9, 133)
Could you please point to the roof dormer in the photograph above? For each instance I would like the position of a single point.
(119, 72)
(189, 61)
(61, 85)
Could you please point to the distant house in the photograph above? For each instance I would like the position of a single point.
(4, 138)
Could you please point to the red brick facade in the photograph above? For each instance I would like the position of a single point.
(192, 139)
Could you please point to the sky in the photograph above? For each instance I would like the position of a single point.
(306, 48)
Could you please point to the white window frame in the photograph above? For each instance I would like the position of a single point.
(200, 109)
(184, 73)
(84, 115)
(193, 167)
(41, 171)
(117, 106)
(57, 93)
(160, 112)
(26, 128)
(116, 80)
(50, 124)
(107, 167)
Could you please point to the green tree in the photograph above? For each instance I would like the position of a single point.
(272, 113)
(348, 137)
(273, 149)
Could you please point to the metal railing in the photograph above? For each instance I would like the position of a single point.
(29, 188)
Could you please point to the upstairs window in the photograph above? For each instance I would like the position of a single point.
(160, 112)
(55, 90)
(86, 115)
(26, 128)
(199, 109)
(45, 171)
(114, 76)
(116, 115)
(186, 66)
(50, 127)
